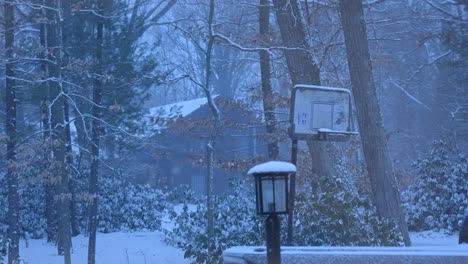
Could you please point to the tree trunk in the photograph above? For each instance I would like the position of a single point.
(80, 132)
(95, 130)
(49, 190)
(265, 71)
(209, 191)
(58, 131)
(302, 70)
(10, 123)
(66, 13)
(69, 159)
(216, 115)
(379, 164)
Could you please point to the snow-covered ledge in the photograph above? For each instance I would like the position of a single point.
(345, 255)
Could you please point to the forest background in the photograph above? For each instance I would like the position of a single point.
(81, 75)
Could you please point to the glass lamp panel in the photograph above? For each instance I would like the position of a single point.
(267, 193)
(258, 194)
(280, 194)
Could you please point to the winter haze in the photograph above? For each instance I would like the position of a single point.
(129, 126)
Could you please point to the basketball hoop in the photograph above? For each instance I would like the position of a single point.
(321, 113)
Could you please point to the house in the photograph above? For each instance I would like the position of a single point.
(177, 153)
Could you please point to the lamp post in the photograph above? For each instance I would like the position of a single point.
(272, 193)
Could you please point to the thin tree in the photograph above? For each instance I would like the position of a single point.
(10, 124)
(95, 126)
(302, 70)
(45, 118)
(66, 12)
(69, 160)
(378, 161)
(54, 46)
(265, 71)
(217, 120)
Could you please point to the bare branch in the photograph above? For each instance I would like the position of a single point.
(409, 95)
(440, 9)
(428, 64)
(255, 49)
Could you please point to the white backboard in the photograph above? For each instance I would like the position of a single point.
(320, 110)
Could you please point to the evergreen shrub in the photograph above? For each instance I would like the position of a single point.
(3, 247)
(439, 196)
(31, 208)
(32, 220)
(337, 216)
(235, 223)
(122, 206)
(333, 217)
(126, 206)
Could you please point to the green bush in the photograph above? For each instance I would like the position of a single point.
(3, 248)
(333, 217)
(126, 206)
(32, 211)
(121, 206)
(337, 216)
(439, 196)
(235, 223)
(31, 208)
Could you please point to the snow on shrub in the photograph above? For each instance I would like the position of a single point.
(3, 242)
(439, 196)
(337, 216)
(32, 220)
(235, 223)
(3, 248)
(3, 201)
(182, 194)
(122, 206)
(31, 208)
(126, 206)
(333, 217)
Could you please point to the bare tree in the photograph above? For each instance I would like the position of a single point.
(96, 111)
(303, 70)
(10, 99)
(54, 45)
(379, 164)
(265, 70)
(217, 119)
(45, 118)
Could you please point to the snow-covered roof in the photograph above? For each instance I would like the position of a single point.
(179, 109)
(158, 116)
(273, 166)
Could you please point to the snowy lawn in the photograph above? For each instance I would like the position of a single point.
(116, 248)
(431, 238)
(148, 247)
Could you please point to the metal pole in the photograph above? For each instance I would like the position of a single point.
(292, 193)
(273, 239)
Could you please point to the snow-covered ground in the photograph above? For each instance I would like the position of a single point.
(430, 238)
(149, 247)
(115, 248)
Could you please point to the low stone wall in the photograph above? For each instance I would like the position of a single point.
(360, 255)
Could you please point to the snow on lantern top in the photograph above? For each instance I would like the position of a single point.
(273, 167)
